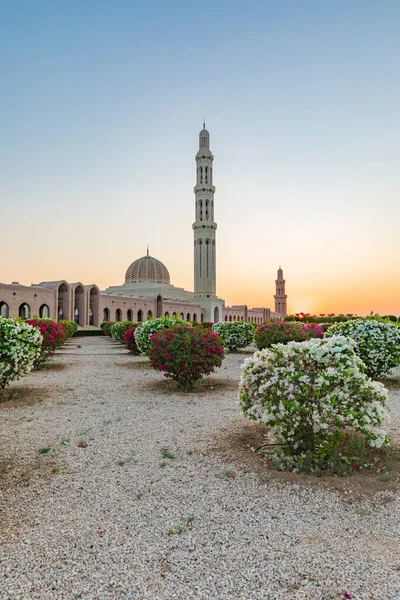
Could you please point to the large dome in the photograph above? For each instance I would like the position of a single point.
(147, 269)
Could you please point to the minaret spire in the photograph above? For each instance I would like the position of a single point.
(280, 296)
(204, 226)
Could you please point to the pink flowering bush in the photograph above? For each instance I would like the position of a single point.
(129, 340)
(53, 337)
(185, 354)
(282, 332)
(312, 330)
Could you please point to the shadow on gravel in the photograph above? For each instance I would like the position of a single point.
(54, 366)
(236, 444)
(208, 386)
(24, 396)
(136, 364)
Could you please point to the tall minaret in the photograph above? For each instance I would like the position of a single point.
(204, 226)
(280, 296)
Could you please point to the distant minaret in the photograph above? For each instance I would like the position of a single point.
(204, 226)
(280, 296)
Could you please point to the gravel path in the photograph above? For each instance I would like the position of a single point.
(96, 529)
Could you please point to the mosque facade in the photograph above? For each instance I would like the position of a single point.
(147, 291)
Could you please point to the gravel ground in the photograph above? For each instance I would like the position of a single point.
(97, 529)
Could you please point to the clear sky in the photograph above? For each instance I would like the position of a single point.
(100, 108)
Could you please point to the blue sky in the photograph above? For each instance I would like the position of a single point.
(100, 108)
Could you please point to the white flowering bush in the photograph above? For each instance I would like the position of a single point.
(377, 343)
(20, 348)
(309, 393)
(145, 330)
(235, 334)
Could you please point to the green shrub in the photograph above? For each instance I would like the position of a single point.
(145, 330)
(69, 327)
(377, 343)
(185, 354)
(234, 334)
(118, 330)
(106, 327)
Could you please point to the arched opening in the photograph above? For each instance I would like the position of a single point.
(166, 314)
(216, 314)
(174, 314)
(106, 314)
(44, 311)
(149, 314)
(4, 310)
(182, 316)
(159, 306)
(24, 310)
(202, 318)
(129, 315)
(195, 317)
(188, 317)
(241, 318)
(63, 302)
(140, 316)
(79, 305)
(94, 311)
(226, 317)
(230, 317)
(118, 314)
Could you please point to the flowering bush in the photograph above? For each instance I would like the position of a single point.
(203, 324)
(235, 334)
(118, 329)
(185, 353)
(308, 394)
(69, 328)
(129, 340)
(20, 347)
(53, 337)
(312, 330)
(282, 332)
(106, 327)
(377, 343)
(146, 329)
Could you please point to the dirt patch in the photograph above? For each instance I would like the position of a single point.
(237, 442)
(204, 386)
(392, 383)
(25, 395)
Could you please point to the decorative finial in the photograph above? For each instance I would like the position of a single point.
(204, 123)
(147, 250)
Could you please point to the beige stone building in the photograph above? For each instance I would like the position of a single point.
(147, 291)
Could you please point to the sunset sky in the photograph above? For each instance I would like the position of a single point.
(100, 108)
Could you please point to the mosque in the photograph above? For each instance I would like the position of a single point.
(147, 291)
